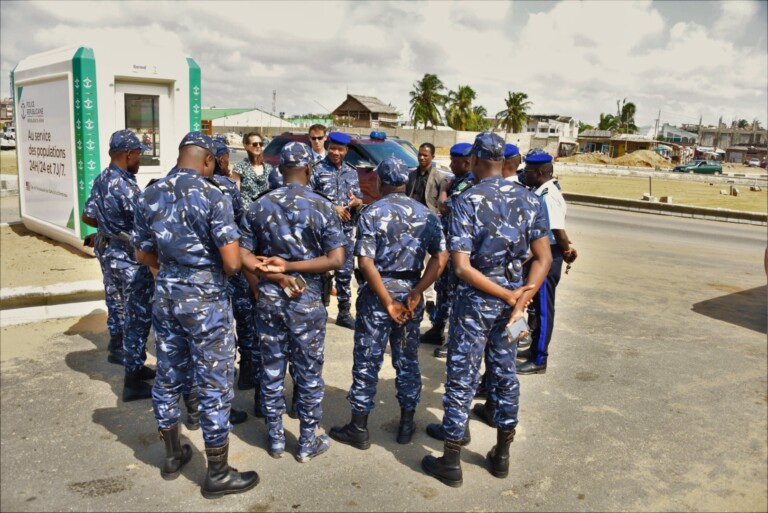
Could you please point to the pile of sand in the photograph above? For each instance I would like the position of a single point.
(639, 158)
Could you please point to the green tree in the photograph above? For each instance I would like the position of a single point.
(626, 111)
(426, 99)
(514, 115)
(585, 126)
(479, 119)
(743, 123)
(608, 122)
(458, 111)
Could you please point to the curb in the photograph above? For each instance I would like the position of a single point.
(710, 214)
(59, 293)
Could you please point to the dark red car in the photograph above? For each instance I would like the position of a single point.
(364, 155)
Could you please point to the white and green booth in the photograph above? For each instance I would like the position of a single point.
(67, 103)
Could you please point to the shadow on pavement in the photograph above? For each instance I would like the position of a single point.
(747, 309)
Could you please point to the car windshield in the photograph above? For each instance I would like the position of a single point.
(382, 150)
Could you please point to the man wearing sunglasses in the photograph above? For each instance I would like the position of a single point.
(317, 138)
(252, 173)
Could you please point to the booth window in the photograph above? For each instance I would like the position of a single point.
(142, 116)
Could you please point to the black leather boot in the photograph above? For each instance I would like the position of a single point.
(407, 426)
(433, 335)
(147, 373)
(485, 412)
(222, 479)
(446, 468)
(116, 354)
(436, 431)
(292, 413)
(237, 416)
(176, 455)
(193, 413)
(134, 388)
(257, 404)
(245, 379)
(355, 433)
(498, 456)
(345, 319)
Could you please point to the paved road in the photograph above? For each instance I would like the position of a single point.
(655, 399)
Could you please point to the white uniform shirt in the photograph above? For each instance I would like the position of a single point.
(554, 204)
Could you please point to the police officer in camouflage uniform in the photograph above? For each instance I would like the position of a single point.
(288, 233)
(394, 235)
(338, 181)
(492, 227)
(445, 287)
(112, 201)
(185, 230)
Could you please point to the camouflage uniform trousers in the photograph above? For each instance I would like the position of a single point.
(136, 288)
(112, 297)
(446, 291)
(373, 328)
(242, 308)
(479, 319)
(344, 273)
(195, 341)
(292, 329)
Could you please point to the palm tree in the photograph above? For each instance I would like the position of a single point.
(458, 112)
(514, 115)
(585, 126)
(626, 114)
(608, 122)
(743, 123)
(426, 97)
(479, 121)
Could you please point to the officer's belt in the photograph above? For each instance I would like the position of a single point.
(401, 275)
(493, 271)
(212, 276)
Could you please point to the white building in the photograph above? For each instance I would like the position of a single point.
(552, 125)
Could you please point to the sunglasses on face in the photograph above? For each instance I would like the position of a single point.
(257, 144)
(318, 138)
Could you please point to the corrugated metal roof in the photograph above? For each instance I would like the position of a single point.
(211, 114)
(374, 104)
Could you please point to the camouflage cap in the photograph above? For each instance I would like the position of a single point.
(537, 156)
(488, 146)
(125, 140)
(221, 148)
(295, 154)
(460, 149)
(393, 171)
(198, 139)
(510, 150)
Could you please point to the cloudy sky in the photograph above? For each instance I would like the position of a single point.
(687, 59)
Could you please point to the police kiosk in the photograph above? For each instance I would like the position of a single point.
(67, 103)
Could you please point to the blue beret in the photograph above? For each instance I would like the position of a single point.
(510, 150)
(338, 138)
(198, 139)
(393, 171)
(488, 146)
(125, 140)
(460, 149)
(295, 154)
(538, 156)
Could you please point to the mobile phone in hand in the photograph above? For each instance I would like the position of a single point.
(300, 282)
(516, 328)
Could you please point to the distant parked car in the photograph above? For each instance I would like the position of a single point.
(755, 162)
(706, 167)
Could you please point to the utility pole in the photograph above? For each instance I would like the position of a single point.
(656, 132)
(274, 101)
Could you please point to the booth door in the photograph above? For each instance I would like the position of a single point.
(145, 109)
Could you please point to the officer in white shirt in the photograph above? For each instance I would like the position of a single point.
(317, 138)
(538, 176)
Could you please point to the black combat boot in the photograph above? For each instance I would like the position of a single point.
(237, 416)
(436, 431)
(257, 403)
(407, 426)
(498, 456)
(446, 468)
(355, 433)
(134, 388)
(116, 354)
(176, 455)
(345, 319)
(245, 379)
(433, 335)
(222, 479)
(485, 412)
(147, 373)
(193, 413)
(292, 413)
(441, 352)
